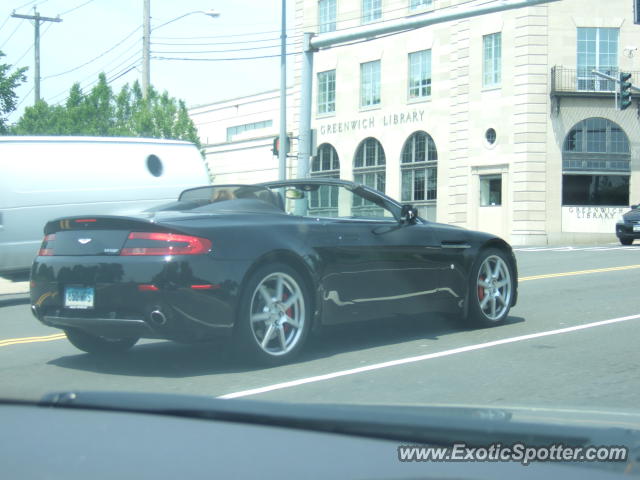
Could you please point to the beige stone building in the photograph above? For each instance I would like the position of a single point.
(494, 122)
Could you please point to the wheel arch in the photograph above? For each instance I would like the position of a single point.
(502, 245)
(292, 260)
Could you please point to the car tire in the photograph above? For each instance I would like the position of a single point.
(626, 241)
(274, 315)
(491, 289)
(98, 345)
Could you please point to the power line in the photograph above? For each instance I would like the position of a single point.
(46, 29)
(226, 51)
(77, 7)
(127, 70)
(5, 22)
(12, 34)
(242, 42)
(225, 36)
(94, 75)
(95, 58)
(222, 59)
(26, 4)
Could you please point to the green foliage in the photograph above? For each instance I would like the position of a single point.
(8, 84)
(102, 113)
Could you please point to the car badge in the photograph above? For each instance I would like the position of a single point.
(84, 241)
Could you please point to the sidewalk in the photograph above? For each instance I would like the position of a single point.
(7, 287)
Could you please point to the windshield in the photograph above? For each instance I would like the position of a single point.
(432, 207)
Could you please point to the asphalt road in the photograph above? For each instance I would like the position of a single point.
(555, 351)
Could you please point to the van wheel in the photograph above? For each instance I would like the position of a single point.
(274, 316)
(626, 241)
(98, 345)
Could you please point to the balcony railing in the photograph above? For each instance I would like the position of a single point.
(580, 81)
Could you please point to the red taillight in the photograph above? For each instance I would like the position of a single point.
(46, 250)
(155, 243)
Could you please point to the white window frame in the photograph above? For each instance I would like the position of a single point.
(370, 84)
(419, 75)
(587, 81)
(326, 92)
(371, 11)
(419, 4)
(428, 166)
(327, 12)
(492, 60)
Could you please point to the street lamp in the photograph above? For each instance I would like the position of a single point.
(146, 39)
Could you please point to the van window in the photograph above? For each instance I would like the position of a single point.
(154, 165)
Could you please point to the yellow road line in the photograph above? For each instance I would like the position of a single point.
(46, 338)
(578, 272)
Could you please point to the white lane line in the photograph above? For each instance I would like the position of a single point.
(420, 358)
(575, 249)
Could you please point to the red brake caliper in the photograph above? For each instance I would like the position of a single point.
(481, 289)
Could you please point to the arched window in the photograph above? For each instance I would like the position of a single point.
(419, 168)
(596, 164)
(369, 164)
(324, 202)
(326, 163)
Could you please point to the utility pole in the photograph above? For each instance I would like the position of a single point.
(37, 19)
(146, 47)
(282, 154)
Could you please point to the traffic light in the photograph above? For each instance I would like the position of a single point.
(625, 90)
(276, 146)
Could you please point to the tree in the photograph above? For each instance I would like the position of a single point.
(8, 84)
(101, 113)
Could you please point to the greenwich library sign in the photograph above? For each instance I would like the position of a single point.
(386, 120)
(591, 219)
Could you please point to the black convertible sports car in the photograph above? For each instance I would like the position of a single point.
(262, 264)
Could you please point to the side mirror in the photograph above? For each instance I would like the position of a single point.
(408, 214)
(633, 207)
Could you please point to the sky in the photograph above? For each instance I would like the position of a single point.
(106, 36)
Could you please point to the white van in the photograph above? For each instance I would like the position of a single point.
(42, 178)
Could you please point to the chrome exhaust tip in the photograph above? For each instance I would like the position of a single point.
(158, 317)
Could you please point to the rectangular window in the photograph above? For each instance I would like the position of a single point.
(238, 129)
(597, 49)
(420, 74)
(327, 15)
(370, 83)
(605, 190)
(636, 11)
(492, 59)
(419, 184)
(419, 4)
(371, 10)
(490, 190)
(327, 92)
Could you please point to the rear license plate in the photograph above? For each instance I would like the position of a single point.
(78, 297)
(636, 228)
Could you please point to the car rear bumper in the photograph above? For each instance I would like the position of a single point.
(105, 327)
(187, 298)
